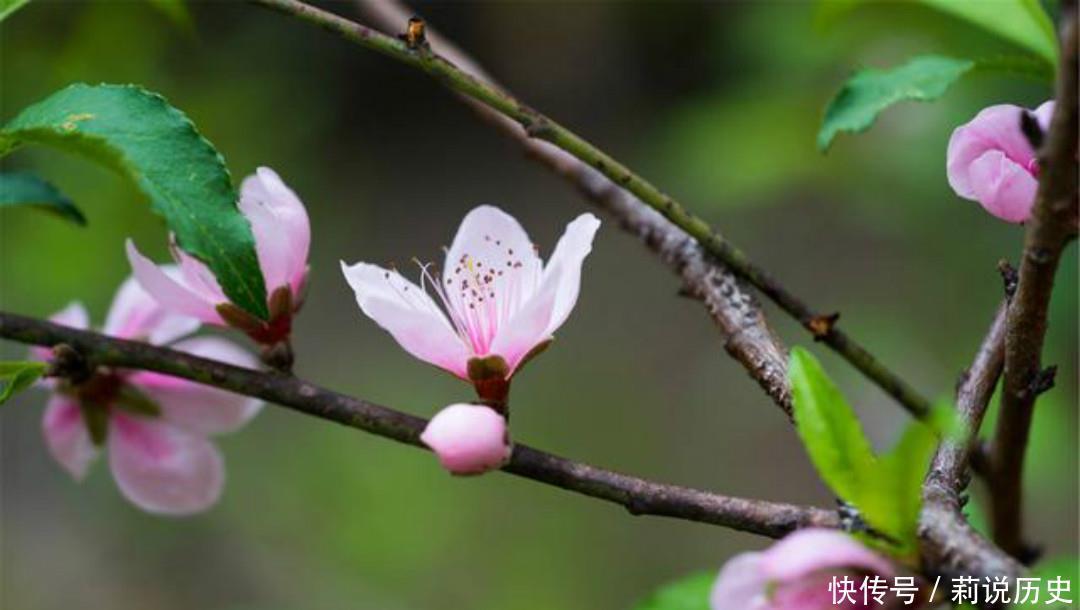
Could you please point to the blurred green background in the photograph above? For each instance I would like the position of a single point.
(718, 103)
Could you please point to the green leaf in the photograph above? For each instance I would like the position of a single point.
(7, 7)
(688, 593)
(1023, 22)
(892, 499)
(17, 376)
(870, 91)
(27, 189)
(829, 429)
(140, 135)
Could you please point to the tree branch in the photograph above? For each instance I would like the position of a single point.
(637, 495)
(747, 336)
(538, 126)
(1052, 226)
(950, 545)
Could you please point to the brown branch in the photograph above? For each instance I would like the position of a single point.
(1052, 226)
(637, 495)
(541, 127)
(950, 546)
(747, 336)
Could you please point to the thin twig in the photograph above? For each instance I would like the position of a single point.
(637, 495)
(747, 336)
(1052, 226)
(538, 126)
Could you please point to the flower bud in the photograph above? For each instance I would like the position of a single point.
(469, 439)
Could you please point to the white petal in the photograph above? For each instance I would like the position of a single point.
(199, 408)
(169, 291)
(281, 226)
(409, 315)
(163, 469)
(66, 435)
(134, 314)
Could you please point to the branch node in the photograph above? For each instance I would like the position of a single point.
(69, 364)
(822, 325)
(1042, 381)
(415, 36)
(1009, 277)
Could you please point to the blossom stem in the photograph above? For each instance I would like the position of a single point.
(639, 496)
(540, 127)
(1053, 225)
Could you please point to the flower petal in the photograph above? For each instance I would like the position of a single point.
(553, 301)
(196, 276)
(134, 314)
(490, 237)
(72, 316)
(409, 315)
(66, 435)
(168, 291)
(198, 408)
(994, 128)
(469, 439)
(741, 585)
(1004, 188)
(1044, 113)
(813, 550)
(281, 227)
(163, 469)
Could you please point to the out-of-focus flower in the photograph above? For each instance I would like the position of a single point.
(796, 574)
(282, 233)
(989, 160)
(155, 427)
(469, 439)
(500, 303)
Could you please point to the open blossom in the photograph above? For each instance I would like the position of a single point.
(155, 427)
(990, 161)
(795, 574)
(497, 297)
(469, 439)
(282, 233)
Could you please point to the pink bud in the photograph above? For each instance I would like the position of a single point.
(469, 439)
(795, 573)
(990, 161)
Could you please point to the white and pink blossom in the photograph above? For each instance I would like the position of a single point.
(796, 573)
(469, 439)
(989, 160)
(282, 233)
(495, 295)
(155, 427)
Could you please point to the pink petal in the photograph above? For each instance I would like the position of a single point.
(551, 304)
(281, 227)
(1004, 188)
(995, 128)
(741, 585)
(196, 276)
(163, 469)
(72, 316)
(469, 439)
(812, 593)
(807, 551)
(168, 291)
(490, 237)
(134, 314)
(1044, 113)
(198, 408)
(409, 315)
(66, 436)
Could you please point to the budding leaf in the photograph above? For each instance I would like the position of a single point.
(17, 376)
(829, 429)
(687, 593)
(138, 134)
(870, 91)
(23, 189)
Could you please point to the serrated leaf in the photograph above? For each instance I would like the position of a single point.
(7, 7)
(139, 134)
(24, 189)
(869, 91)
(17, 376)
(892, 499)
(1023, 22)
(829, 429)
(688, 593)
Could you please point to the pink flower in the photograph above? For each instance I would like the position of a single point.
(282, 239)
(795, 573)
(497, 296)
(990, 161)
(154, 426)
(469, 439)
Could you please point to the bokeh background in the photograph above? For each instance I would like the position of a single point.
(718, 103)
